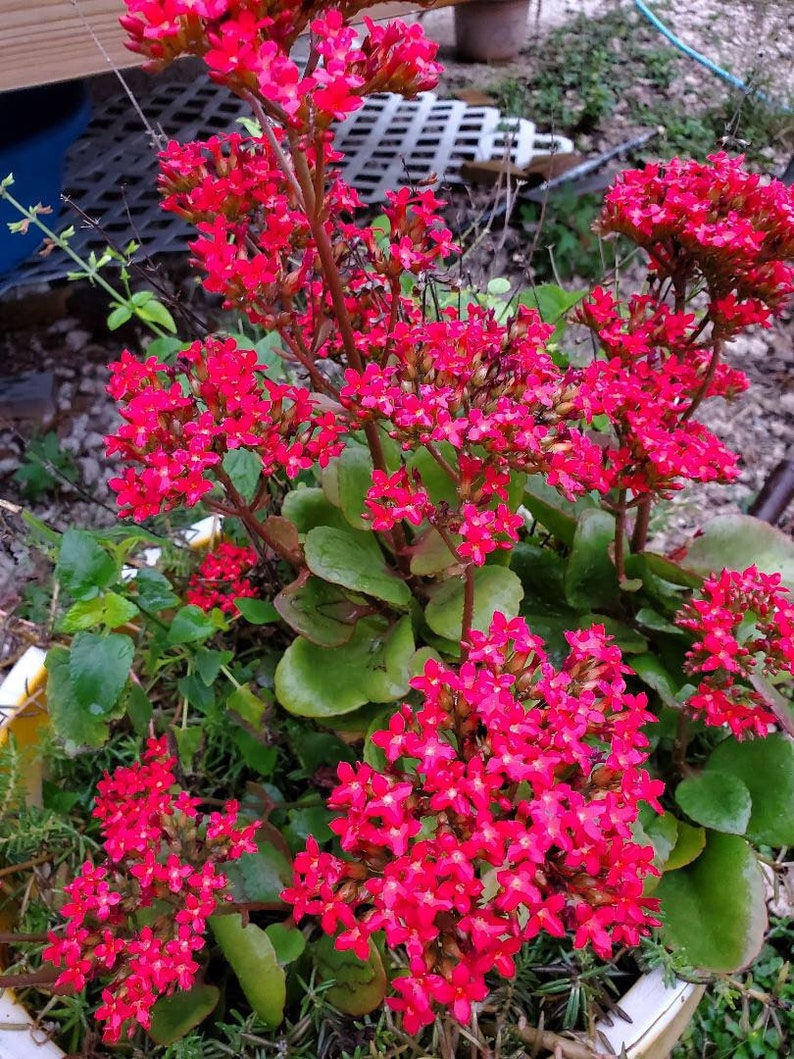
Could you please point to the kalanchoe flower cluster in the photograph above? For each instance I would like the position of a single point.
(514, 817)
(246, 46)
(180, 422)
(221, 578)
(158, 848)
(653, 372)
(744, 624)
(712, 222)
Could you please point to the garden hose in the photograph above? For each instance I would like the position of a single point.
(704, 61)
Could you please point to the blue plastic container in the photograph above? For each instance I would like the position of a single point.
(37, 127)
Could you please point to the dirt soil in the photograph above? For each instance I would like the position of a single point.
(50, 330)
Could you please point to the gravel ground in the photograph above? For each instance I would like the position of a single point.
(41, 333)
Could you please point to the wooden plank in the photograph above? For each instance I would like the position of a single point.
(42, 41)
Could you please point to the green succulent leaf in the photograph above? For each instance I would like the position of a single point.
(716, 799)
(244, 469)
(319, 611)
(652, 672)
(440, 487)
(542, 571)
(252, 957)
(310, 507)
(766, 768)
(430, 553)
(173, 1017)
(322, 682)
(735, 542)
(354, 561)
(552, 510)
(590, 576)
(359, 985)
(259, 878)
(713, 909)
(288, 942)
(496, 588)
(354, 478)
(689, 844)
(257, 611)
(661, 830)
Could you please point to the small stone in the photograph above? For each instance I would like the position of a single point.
(77, 339)
(90, 469)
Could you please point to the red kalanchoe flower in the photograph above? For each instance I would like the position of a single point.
(515, 818)
(158, 850)
(221, 578)
(744, 628)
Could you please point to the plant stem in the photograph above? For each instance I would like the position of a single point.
(93, 274)
(620, 533)
(250, 521)
(639, 536)
(468, 610)
(11, 869)
(719, 345)
(552, 1042)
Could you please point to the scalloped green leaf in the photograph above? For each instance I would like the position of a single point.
(354, 561)
(288, 942)
(430, 553)
(309, 507)
(714, 909)
(250, 954)
(496, 588)
(766, 767)
(735, 542)
(175, 1016)
(552, 510)
(75, 725)
(110, 610)
(354, 479)
(319, 611)
(716, 799)
(191, 625)
(359, 985)
(321, 682)
(689, 844)
(591, 579)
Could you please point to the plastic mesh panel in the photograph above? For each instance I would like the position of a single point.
(111, 170)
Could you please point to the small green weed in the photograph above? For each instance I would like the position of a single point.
(45, 467)
(589, 68)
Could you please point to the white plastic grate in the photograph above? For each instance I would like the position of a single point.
(111, 170)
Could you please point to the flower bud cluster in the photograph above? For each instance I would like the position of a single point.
(161, 869)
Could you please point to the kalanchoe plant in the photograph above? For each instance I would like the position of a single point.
(390, 477)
